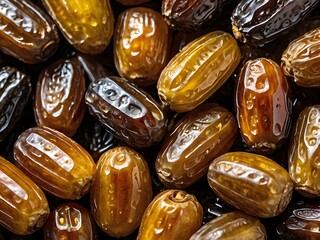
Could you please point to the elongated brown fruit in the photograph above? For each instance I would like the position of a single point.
(172, 214)
(27, 33)
(121, 192)
(55, 162)
(23, 206)
(87, 25)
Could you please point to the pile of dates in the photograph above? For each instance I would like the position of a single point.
(149, 119)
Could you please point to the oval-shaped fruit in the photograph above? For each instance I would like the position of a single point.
(132, 2)
(88, 25)
(232, 225)
(23, 206)
(263, 105)
(172, 214)
(59, 99)
(301, 59)
(70, 221)
(55, 162)
(26, 32)
(198, 70)
(121, 192)
(141, 45)
(199, 137)
(15, 89)
(128, 112)
(258, 22)
(252, 183)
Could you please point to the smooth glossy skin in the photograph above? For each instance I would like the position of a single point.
(55, 162)
(121, 192)
(263, 105)
(70, 221)
(27, 33)
(252, 183)
(198, 71)
(87, 25)
(141, 45)
(172, 214)
(233, 225)
(199, 137)
(23, 206)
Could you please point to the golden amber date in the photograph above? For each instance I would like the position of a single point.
(199, 137)
(87, 25)
(23, 206)
(301, 59)
(141, 45)
(59, 100)
(55, 162)
(304, 150)
(198, 71)
(27, 33)
(232, 225)
(172, 214)
(121, 192)
(263, 105)
(252, 183)
(69, 221)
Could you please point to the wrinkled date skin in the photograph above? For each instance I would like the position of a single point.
(132, 2)
(252, 183)
(263, 105)
(27, 33)
(258, 22)
(304, 150)
(55, 162)
(199, 137)
(15, 89)
(59, 100)
(88, 25)
(70, 221)
(172, 214)
(232, 225)
(141, 45)
(23, 206)
(121, 192)
(198, 71)
(128, 112)
(301, 59)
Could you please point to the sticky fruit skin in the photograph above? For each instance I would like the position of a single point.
(198, 71)
(172, 214)
(251, 182)
(23, 206)
(59, 165)
(121, 192)
(263, 105)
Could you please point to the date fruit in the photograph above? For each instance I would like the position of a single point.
(198, 70)
(252, 183)
(55, 162)
(121, 192)
(132, 2)
(263, 105)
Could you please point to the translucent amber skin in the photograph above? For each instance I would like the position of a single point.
(199, 137)
(27, 33)
(59, 100)
(252, 183)
(232, 225)
(198, 71)
(23, 206)
(301, 59)
(55, 162)
(70, 221)
(263, 105)
(141, 45)
(172, 214)
(87, 25)
(121, 192)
